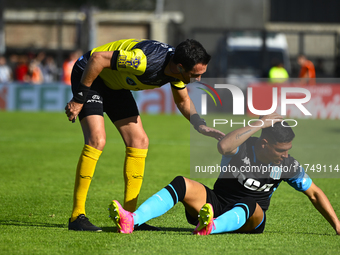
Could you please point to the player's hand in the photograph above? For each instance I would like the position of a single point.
(270, 119)
(72, 110)
(208, 131)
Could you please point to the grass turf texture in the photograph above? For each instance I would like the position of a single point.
(38, 156)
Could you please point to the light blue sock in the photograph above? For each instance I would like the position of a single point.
(155, 206)
(230, 220)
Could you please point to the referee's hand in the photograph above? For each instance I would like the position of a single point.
(208, 131)
(72, 110)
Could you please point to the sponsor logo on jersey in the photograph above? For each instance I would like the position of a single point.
(95, 99)
(255, 185)
(246, 161)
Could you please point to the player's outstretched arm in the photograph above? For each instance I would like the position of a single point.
(208, 131)
(228, 145)
(322, 204)
(187, 108)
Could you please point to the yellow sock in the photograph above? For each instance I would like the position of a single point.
(85, 170)
(133, 175)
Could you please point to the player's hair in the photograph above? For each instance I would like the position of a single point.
(278, 133)
(189, 53)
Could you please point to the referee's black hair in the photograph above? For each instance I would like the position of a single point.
(278, 133)
(189, 53)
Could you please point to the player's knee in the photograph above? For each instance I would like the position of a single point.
(249, 205)
(177, 188)
(97, 142)
(258, 213)
(188, 183)
(253, 213)
(141, 142)
(144, 141)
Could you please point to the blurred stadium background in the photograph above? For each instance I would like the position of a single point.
(63, 26)
(51, 34)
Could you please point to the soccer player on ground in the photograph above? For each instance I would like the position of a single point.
(240, 199)
(101, 82)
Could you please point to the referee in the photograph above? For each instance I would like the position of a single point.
(101, 82)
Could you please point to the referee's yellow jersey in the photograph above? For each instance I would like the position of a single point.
(138, 65)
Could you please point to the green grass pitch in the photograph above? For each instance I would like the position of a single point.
(38, 156)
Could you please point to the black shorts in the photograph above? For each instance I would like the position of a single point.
(118, 104)
(220, 206)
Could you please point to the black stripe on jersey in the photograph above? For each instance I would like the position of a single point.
(114, 60)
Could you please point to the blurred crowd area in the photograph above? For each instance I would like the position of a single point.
(36, 68)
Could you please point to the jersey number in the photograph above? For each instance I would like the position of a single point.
(255, 185)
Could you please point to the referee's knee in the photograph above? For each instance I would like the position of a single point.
(141, 142)
(97, 142)
(144, 142)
